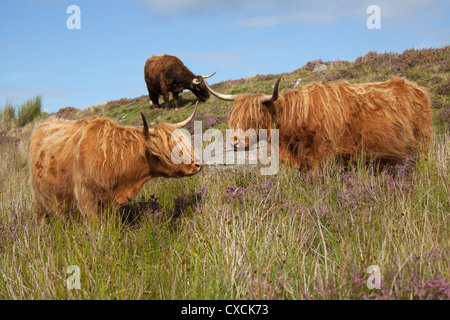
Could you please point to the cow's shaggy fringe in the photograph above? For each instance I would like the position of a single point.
(386, 121)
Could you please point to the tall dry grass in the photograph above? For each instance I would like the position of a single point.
(234, 234)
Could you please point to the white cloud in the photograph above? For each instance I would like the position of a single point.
(182, 6)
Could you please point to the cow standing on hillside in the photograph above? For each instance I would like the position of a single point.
(80, 164)
(164, 74)
(384, 121)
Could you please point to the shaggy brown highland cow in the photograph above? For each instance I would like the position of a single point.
(80, 164)
(384, 121)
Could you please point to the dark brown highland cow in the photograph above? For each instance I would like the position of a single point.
(383, 121)
(164, 74)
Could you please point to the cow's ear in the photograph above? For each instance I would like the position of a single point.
(146, 131)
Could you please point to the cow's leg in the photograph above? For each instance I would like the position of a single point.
(154, 97)
(87, 203)
(127, 193)
(289, 158)
(175, 100)
(166, 100)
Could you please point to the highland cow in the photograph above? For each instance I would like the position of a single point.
(82, 164)
(381, 121)
(165, 74)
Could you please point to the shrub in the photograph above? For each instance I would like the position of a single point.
(29, 111)
(7, 117)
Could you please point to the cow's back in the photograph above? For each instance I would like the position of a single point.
(389, 120)
(159, 68)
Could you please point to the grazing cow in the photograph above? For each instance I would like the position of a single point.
(383, 121)
(164, 74)
(81, 164)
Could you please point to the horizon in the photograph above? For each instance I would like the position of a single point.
(104, 59)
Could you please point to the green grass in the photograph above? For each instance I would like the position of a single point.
(246, 236)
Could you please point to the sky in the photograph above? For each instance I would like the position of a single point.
(104, 59)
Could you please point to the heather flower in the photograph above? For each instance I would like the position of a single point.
(190, 125)
(210, 122)
(191, 201)
(181, 204)
(311, 64)
(261, 192)
(234, 192)
(444, 89)
(153, 204)
(9, 233)
(141, 205)
(115, 103)
(403, 174)
(356, 193)
(445, 114)
(335, 76)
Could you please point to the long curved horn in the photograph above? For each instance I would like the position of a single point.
(226, 97)
(274, 96)
(185, 122)
(197, 82)
(146, 131)
(206, 77)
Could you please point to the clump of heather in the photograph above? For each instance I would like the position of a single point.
(263, 191)
(235, 192)
(190, 125)
(9, 232)
(311, 64)
(138, 99)
(207, 123)
(190, 202)
(403, 175)
(358, 194)
(408, 280)
(336, 76)
(211, 122)
(152, 204)
(400, 64)
(412, 282)
(141, 206)
(445, 114)
(444, 89)
(115, 103)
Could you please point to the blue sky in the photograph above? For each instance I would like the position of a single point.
(105, 59)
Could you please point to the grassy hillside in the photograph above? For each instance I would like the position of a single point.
(428, 67)
(235, 234)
